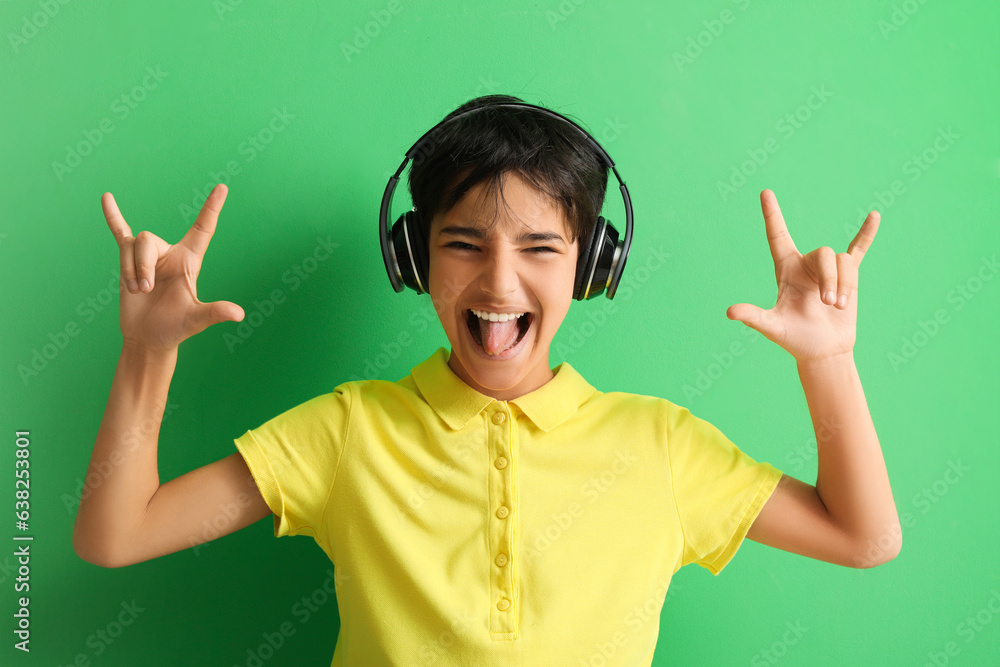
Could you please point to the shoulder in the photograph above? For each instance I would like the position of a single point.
(364, 390)
(622, 400)
(641, 415)
(373, 394)
(370, 389)
(632, 415)
(343, 397)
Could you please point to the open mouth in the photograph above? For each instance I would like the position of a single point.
(475, 325)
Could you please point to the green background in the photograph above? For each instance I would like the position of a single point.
(682, 96)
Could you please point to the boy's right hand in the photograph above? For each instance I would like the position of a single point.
(159, 297)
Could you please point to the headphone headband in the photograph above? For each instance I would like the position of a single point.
(395, 276)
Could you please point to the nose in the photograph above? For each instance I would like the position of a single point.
(500, 274)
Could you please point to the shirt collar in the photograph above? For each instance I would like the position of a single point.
(457, 403)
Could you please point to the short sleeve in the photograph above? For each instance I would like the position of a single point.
(718, 489)
(294, 459)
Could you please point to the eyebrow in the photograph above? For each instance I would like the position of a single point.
(476, 233)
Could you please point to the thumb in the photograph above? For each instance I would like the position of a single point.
(207, 314)
(756, 318)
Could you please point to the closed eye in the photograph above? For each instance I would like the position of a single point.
(458, 245)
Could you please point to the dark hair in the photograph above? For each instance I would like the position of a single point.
(545, 151)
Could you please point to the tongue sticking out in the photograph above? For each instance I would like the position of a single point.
(497, 336)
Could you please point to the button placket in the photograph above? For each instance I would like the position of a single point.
(502, 430)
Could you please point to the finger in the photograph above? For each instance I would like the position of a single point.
(847, 279)
(863, 239)
(123, 237)
(126, 257)
(116, 222)
(148, 248)
(756, 318)
(201, 231)
(778, 238)
(207, 314)
(823, 262)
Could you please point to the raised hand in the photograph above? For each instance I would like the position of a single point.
(158, 290)
(815, 315)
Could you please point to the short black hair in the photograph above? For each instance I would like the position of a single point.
(545, 151)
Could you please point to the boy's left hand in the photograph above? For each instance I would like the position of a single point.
(805, 320)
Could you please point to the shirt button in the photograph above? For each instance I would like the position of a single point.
(498, 417)
(502, 605)
(501, 462)
(502, 512)
(501, 560)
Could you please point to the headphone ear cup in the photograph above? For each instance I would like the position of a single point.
(604, 259)
(418, 248)
(584, 264)
(409, 252)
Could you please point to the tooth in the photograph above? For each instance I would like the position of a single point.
(496, 317)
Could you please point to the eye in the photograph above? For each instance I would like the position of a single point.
(458, 245)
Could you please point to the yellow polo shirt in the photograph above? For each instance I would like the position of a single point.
(463, 530)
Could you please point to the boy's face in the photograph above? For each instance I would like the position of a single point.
(502, 271)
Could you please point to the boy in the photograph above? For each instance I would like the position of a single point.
(488, 509)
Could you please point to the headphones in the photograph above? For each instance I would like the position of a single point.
(598, 268)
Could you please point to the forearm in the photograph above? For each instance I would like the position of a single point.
(123, 474)
(852, 480)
